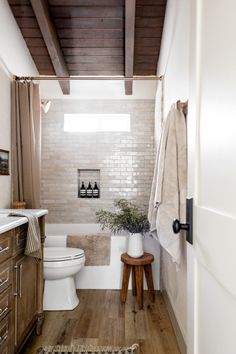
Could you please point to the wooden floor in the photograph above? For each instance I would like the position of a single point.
(100, 319)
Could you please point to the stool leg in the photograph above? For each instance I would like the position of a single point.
(125, 282)
(149, 279)
(139, 285)
(134, 290)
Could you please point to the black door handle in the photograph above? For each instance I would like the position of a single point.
(177, 226)
(188, 227)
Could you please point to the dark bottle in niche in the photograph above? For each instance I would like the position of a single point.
(89, 191)
(95, 191)
(82, 191)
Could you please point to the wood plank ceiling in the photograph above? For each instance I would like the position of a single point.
(92, 35)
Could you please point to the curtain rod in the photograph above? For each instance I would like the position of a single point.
(72, 78)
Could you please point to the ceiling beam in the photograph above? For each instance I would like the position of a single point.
(49, 34)
(129, 44)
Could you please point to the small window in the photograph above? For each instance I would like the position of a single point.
(96, 122)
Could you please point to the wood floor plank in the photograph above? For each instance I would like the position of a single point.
(101, 319)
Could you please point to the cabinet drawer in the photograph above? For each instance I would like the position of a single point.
(5, 246)
(5, 335)
(20, 238)
(5, 302)
(6, 274)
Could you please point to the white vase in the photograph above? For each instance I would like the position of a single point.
(135, 245)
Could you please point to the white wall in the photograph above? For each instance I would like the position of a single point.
(98, 89)
(101, 277)
(13, 49)
(14, 59)
(173, 64)
(5, 133)
(174, 54)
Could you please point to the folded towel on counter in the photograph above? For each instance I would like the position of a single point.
(33, 241)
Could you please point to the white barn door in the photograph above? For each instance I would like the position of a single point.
(212, 178)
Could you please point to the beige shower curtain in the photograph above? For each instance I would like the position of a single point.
(26, 143)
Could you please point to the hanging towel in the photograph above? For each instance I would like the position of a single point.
(158, 172)
(168, 196)
(33, 241)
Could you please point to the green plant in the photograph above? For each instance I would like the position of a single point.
(128, 217)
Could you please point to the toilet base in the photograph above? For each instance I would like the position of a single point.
(60, 295)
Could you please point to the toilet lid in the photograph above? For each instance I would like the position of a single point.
(53, 254)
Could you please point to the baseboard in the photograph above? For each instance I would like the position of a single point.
(178, 333)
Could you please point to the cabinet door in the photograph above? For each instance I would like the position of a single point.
(25, 296)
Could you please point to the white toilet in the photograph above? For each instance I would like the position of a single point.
(61, 264)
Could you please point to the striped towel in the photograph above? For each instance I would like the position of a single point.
(33, 241)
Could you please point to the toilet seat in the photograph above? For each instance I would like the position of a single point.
(60, 254)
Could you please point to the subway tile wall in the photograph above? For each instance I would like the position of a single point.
(125, 159)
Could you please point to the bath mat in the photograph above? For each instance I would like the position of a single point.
(86, 349)
(96, 246)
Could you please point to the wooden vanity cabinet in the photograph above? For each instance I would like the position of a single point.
(21, 291)
(6, 293)
(25, 297)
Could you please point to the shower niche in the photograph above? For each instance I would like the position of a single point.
(89, 183)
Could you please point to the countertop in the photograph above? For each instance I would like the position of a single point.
(10, 222)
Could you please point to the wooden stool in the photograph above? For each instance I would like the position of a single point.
(137, 265)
